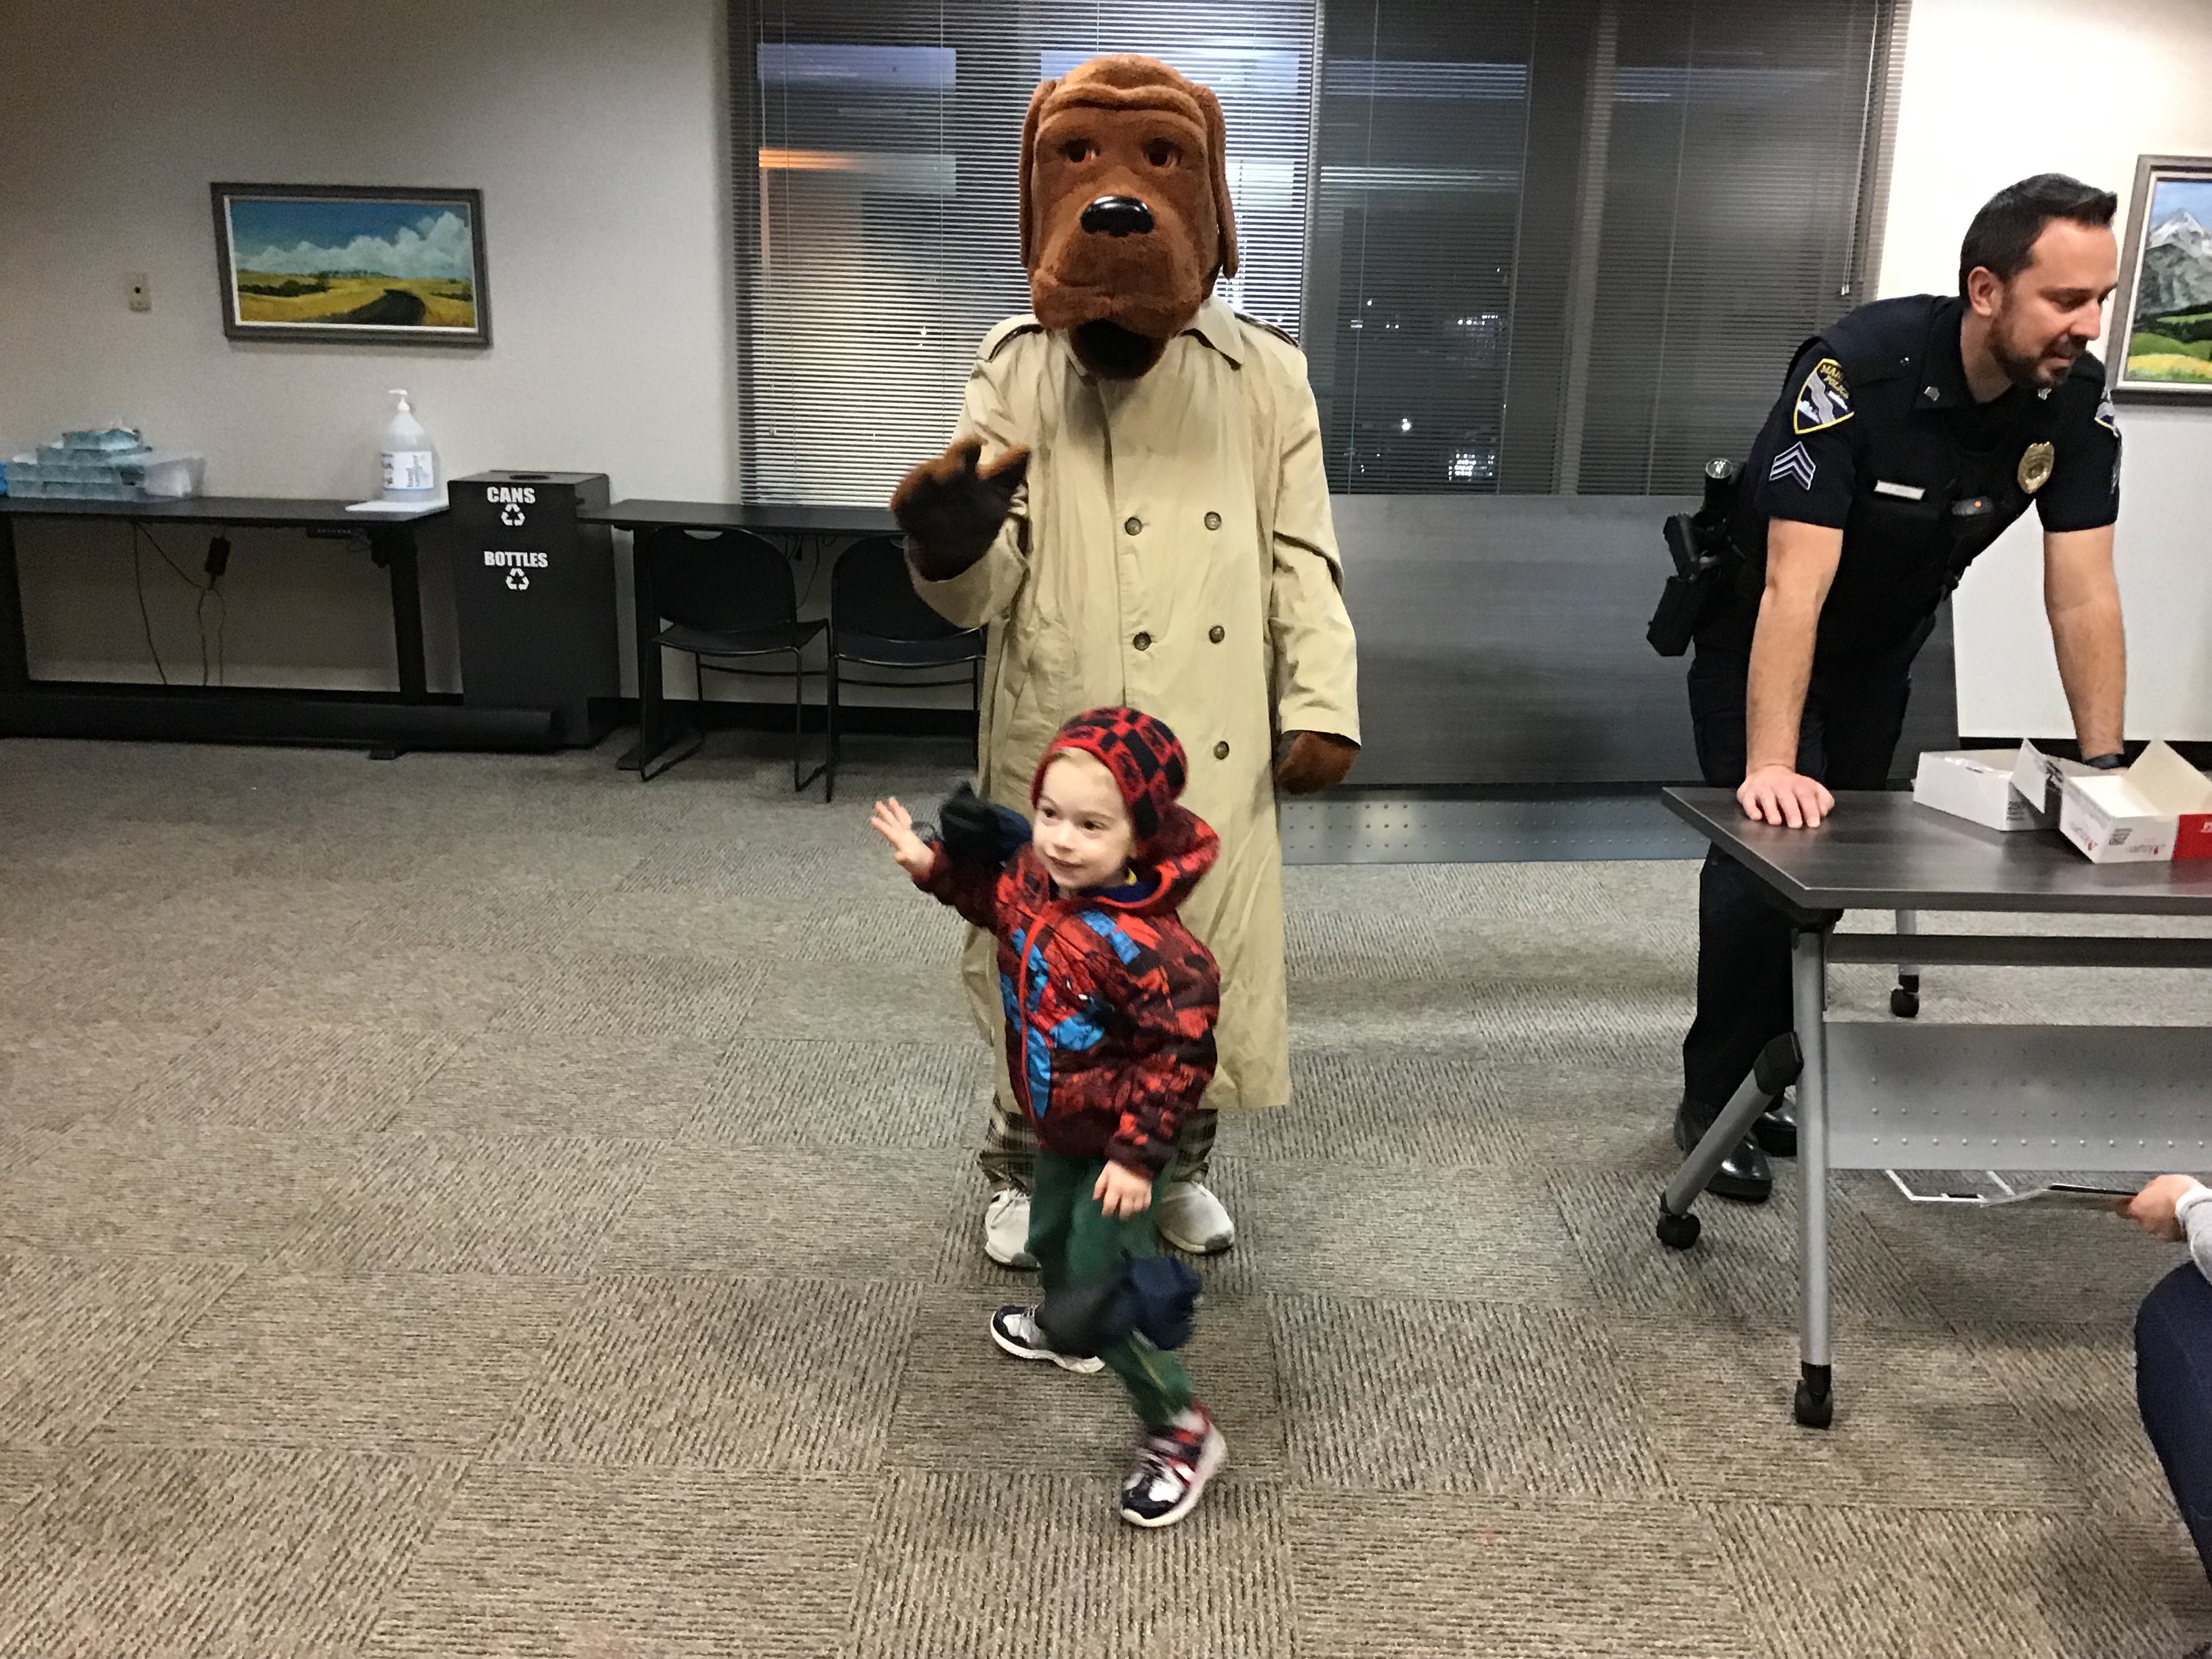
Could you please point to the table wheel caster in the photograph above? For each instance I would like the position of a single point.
(1678, 1233)
(1905, 1004)
(1814, 1411)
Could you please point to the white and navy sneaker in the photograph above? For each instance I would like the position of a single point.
(1014, 1329)
(1172, 1466)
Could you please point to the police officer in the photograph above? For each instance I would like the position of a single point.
(1909, 434)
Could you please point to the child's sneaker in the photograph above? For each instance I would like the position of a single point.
(1014, 1329)
(1172, 1466)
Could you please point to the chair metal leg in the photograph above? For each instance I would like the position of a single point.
(798, 720)
(829, 766)
(672, 754)
(799, 779)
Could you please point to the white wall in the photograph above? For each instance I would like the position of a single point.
(1996, 90)
(596, 131)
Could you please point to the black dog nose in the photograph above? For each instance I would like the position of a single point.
(1118, 216)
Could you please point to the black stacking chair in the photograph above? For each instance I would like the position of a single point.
(877, 619)
(729, 594)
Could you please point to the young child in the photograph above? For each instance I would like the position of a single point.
(1110, 1006)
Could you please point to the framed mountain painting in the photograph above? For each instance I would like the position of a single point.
(2162, 317)
(350, 263)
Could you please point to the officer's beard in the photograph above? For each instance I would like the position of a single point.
(2041, 364)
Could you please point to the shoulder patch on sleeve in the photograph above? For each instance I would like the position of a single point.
(996, 340)
(1823, 401)
(2105, 415)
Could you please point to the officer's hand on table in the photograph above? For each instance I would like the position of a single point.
(1776, 795)
(2152, 1209)
(951, 508)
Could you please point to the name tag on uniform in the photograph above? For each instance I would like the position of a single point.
(1903, 492)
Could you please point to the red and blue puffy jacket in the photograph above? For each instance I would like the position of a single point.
(1111, 1000)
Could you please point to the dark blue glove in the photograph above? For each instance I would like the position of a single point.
(974, 831)
(1154, 1297)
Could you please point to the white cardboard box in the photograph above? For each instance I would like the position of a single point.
(2040, 780)
(2160, 808)
(1974, 784)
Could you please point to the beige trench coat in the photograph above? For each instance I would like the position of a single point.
(1171, 550)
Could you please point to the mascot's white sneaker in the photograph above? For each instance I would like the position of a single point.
(1191, 1219)
(1006, 1229)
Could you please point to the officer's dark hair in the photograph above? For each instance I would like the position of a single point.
(2001, 239)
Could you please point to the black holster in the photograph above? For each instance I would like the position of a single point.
(1705, 564)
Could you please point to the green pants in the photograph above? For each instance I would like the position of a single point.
(1075, 1243)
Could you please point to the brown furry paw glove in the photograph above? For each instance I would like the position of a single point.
(950, 509)
(1310, 762)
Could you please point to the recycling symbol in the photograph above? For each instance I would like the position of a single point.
(518, 580)
(510, 515)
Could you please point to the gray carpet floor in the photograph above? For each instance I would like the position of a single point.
(483, 1206)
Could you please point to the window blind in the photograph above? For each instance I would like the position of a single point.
(877, 143)
(1569, 245)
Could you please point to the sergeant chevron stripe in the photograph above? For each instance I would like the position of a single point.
(1794, 462)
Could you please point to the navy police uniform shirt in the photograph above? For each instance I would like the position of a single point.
(1877, 435)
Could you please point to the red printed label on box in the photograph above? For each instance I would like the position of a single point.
(2193, 838)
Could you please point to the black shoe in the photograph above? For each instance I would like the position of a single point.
(1775, 1129)
(1743, 1175)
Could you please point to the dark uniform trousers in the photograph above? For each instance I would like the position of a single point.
(1853, 716)
(2173, 1387)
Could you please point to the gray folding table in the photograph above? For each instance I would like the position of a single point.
(1913, 1095)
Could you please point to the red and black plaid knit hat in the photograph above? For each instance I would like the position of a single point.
(1145, 756)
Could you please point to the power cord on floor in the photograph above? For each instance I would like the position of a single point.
(145, 622)
(218, 562)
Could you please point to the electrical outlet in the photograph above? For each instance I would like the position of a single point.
(141, 294)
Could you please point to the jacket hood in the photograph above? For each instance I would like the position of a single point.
(1167, 868)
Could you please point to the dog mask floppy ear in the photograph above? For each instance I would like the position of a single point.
(1216, 149)
(1026, 197)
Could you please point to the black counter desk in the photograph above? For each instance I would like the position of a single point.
(1913, 1095)
(762, 518)
(389, 722)
(640, 517)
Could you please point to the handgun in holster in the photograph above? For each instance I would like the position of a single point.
(1704, 564)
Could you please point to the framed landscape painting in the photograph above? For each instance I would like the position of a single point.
(2162, 324)
(358, 265)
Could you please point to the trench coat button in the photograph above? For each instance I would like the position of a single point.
(1216, 633)
(1143, 642)
(1214, 521)
(1133, 525)
(1221, 752)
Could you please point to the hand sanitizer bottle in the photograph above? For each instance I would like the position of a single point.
(410, 463)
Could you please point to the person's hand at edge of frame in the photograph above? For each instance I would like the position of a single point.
(1776, 795)
(2152, 1209)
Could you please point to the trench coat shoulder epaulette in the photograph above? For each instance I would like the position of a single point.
(1011, 328)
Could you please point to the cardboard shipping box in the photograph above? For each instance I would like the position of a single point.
(2160, 808)
(2040, 780)
(1974, 784)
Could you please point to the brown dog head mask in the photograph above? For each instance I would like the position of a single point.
(1126, 218)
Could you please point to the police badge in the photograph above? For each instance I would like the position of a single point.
(2035, 467)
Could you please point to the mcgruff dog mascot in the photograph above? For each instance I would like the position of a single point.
(1134, 505)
